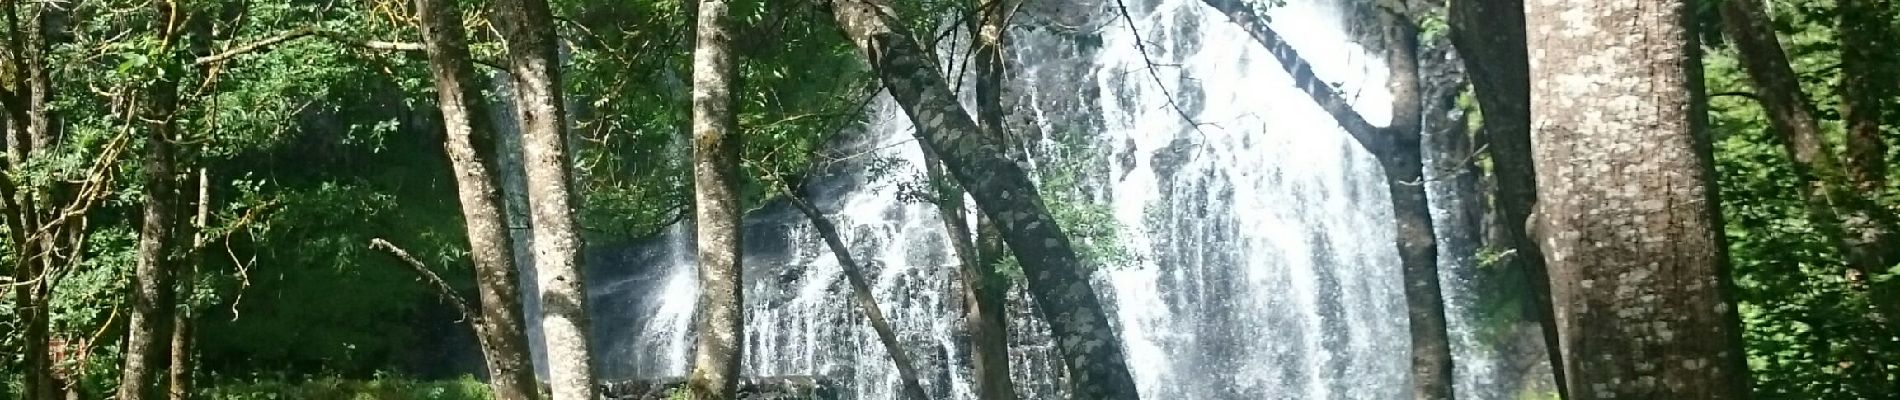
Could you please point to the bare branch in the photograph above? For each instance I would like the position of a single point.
(441, 286)
(1141, 46)
(305, 32)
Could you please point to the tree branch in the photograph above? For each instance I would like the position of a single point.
(441, 286)
(1750, 96)
(1322, 93)
(305, 32)
(860, 289)
(1141, 46)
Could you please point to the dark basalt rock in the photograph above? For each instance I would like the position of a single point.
(764, 388)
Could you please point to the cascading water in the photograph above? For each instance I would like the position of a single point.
(1261, 237)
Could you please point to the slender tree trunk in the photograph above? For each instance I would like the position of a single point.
(31, 129)
(469, 141)
(716, 179)
(983, 314)
(182, 324)
(1058, 280)
(861, 292)
(1871, 229)
(1397, 147)
(984, 291)
(1864, 27)
(1627, 212)
(1842, 201)
(154, 300)
(1489, 35)
(1418, 247)
(528, 27)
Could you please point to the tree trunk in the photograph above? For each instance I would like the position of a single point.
(1418, 247)
(154, 300)
(984, 291)
(469, 140)
(1863, 29)
(717, 214)
(528, 27)
(984, 319)
(1627, 212)
(1089, 344)
(30, 126)
(1397, 147)
(1871, 229)
(861, 291)
(1841, 201)
(1489, 35)
(182, 324)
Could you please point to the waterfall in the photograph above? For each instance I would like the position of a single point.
(1260, 236)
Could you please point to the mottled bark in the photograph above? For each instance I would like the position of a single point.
(154, 300)
(717, 213)
(1397, 147)
(1842, 201)
(861, 292)
(1627, 209)
(984, 290)
(180, 374)
(1489, 35)
(528, 27)
(1088, 342)
(469, 140)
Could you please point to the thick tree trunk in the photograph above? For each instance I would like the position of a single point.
(984, 290)
(1489, 35)
(528, 27)
(154, 300)
(1627, 212)
(181, 362)
(469, 140)
(1089, 344)
(1397, 147)
(861, 292)
(717, 214)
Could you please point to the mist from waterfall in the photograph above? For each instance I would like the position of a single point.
(1261, 238)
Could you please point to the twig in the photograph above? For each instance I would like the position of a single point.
(1141, 46)
(305, 32)
(442, 287)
